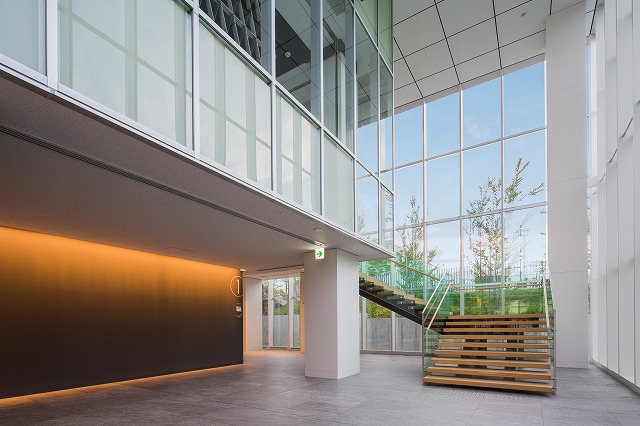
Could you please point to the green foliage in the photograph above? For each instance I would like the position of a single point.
(376, 311)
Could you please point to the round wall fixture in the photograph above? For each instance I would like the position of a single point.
(235, 285)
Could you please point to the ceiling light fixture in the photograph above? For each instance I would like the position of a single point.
(523, 14)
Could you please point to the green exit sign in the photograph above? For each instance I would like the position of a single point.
(319, 253)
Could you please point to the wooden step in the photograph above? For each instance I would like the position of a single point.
(495, 330)
(491, 372)
(502, 354)
(488, 383)
(498, 322)
(542, 365)
(494, 345)
(495, 336)
(496, 316)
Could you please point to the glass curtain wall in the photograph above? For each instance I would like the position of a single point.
(292, 97)
(281, 313)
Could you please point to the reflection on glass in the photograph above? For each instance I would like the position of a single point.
(481, 181)
(367, 80)
(481, 113)
(443, 125)
(338, 185)
(378, 327)
(265, 314)
(368, 12)
(116, 55)
(235, 125)
(524, 169)
(482, 242)
(367, 222)
(525, 244)
(297, 156)
(409, 244)
(387, 218)
(524, 99)
(443, 249)
(443, 187)
(281, 313)
(298, 50)
(338, 63)
(22, 32)
(408, 141)
(409, 194)
(385, 35)
(295, 299)
(386, 123)
(247, 22)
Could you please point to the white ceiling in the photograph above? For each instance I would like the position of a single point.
(443, 44)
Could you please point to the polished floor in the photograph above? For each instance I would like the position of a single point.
(270, 388)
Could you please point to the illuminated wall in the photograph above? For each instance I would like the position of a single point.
(74, 313)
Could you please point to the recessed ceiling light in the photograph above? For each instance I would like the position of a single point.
(523, 14)
(317, 229)
(287, 54)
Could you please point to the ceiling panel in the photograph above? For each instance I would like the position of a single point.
(479, 66)
(458, 15)
(401, 74)
(473, 42)
(522, 49)
(558, 5)
(591, 4)
(438, 82)
(419, 31)
(512, 25)
(406, 94)
(408, 8)
(396, 50)
(431, 60)
(504, 5)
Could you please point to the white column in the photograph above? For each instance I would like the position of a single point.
(567, 181)
(252, 315)
(331, 315)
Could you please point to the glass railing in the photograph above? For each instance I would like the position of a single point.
(411, 280)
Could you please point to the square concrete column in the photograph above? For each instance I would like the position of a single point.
(331, 324)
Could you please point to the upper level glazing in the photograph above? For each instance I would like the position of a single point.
(294, 97)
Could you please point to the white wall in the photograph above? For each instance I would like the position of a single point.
(252, 315)
(331, 321)
(567, 181)
(616, 289)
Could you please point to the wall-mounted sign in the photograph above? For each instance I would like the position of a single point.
(319, 253)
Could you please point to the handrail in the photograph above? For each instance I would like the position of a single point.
(546, 303)
(413, 269)
(431, 297)
(439, 305)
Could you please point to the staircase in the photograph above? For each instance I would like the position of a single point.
(508, 351)
(392, 298)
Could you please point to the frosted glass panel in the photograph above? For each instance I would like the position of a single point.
(115, 52)
(297, 156)
(235, 112)
(22, 32)
(368, 206)
(338, 184)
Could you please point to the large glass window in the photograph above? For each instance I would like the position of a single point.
(525, 244)
(443, 187)
(298, 50)
(378, 326)
(385, 34)
(339, 184)
(116, 54)
(367, 80)
(247, 23)
(338, 66)
(281, 313)
(443, 249)
(409, 199)
(297, 156)
(386, 125)
(524, 99)
(481, 113)
(387, 218)
(443, 125)
(235, 123)
(482, 242)
(22, 32)
(524, 170)
(481, 177)
(367, 221)
(408, 141)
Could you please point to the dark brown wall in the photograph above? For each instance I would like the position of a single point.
(74, 314)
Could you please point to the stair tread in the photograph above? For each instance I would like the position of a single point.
(495, 345)
(545, 365)
(493, 337)
(496, 322)
(495, 330)
(489, 383)
(496, 316)
(492, 372)
(505, 354)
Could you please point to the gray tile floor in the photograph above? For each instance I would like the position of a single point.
(270, 388)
